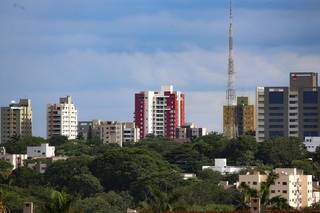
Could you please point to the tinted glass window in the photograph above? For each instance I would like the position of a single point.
(310, 133)
(276, 97)
(310, 97)
(276, 134)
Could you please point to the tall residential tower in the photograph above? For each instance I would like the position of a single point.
(62, 119)
(16, 120)
(159, 113)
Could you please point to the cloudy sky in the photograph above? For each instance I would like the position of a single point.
(102, 51)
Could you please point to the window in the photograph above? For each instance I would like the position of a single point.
(254, 183)
(276, 120)
(276, 133)
(284, 183)
(284, 191)
(273, 191)
(275, 126)
(310, 97)
(275, 114)
(276, 97)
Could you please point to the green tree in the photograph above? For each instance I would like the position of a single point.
(85, 185)
(140, 172)
(19, 145)
(104, 202)
(280, 152)
(5, 170)
(60, 173)
(241, 151)
(57, 140)
(59, 202)
(25, 177)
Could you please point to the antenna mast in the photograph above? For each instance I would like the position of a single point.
(231, 92)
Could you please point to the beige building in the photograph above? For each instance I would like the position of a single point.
(115, 132)
(239, 119)
(189, 131)
(291, 184)
(62, 119)
(16, 120)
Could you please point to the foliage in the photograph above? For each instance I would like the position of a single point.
(19, 145)
(60, 202)
(25, 177)
(73, 148)
(57, 140)
(280, 152)
(104, 202)
(5, 170)
(60, 174)
(140, 172)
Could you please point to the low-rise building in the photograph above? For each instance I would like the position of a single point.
(41, 164)
(291, 184)
(43, 151)
(187, 176)
(189, 131)
(17, 160)
(220, 165)
(311, 143)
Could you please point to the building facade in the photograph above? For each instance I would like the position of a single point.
(189, 131)
(291, 184)
(220, 165)
(109, 131)
(239, 119)
(85, 129)
(43, 151)
(289, 111)
(16, 160)
(16, 120)
(62, 119)
(159, 113)
(312, 143)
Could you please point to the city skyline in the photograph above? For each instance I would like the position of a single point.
(97, 52)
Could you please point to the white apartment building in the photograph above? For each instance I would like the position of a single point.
(292, 185)
(17, 160)
(311, 143)
(16, 120)
(43, 151)
(220, 165)
(62, 119)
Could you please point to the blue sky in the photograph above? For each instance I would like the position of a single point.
(102, 51)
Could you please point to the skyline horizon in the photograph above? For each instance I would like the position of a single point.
(101, 53)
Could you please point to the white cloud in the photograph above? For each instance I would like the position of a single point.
(103, 83)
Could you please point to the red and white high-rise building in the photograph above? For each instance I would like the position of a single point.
(159, 113)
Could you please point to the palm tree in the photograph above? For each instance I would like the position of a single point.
(263, 194)
(60, 202)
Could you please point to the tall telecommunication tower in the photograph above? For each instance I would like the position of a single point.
(231, 92)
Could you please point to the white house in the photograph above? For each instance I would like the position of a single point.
(17, 160)
(311, 143)
(44, 151)
(220, 165)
